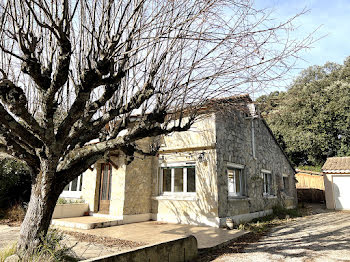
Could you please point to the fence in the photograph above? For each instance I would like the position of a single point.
(310, 186)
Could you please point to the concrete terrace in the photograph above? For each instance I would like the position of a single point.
(145, 233)
(153, 232)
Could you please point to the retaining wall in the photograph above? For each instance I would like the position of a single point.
(179, 250)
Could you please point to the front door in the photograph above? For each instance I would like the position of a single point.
(105, 188)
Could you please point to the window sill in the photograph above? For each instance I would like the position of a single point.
(238, 198)
(270, 196)
(187, 197)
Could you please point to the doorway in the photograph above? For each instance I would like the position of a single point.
(105, 188)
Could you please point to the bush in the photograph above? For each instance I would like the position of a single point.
(281, 212)
(15, 182)
(63, 201)
(52, 248)
(311, 168)
(15, 213)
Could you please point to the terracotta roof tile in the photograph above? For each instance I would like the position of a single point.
(337, 163)
(238, 102)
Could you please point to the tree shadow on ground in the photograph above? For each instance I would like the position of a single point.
(309, 237)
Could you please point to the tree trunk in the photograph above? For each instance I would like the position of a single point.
(44, 195)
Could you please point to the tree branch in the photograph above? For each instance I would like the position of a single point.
(20, 150)
(14, 97)
(149, 127)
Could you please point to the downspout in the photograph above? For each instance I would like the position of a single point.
(253, 138)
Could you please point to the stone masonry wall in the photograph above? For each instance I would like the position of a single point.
(138, 182)
(138, 186)
(234, 145)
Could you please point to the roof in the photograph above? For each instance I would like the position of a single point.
(238, 102)
(233, 99)
(337, 164)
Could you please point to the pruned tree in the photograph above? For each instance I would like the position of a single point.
(72, 68)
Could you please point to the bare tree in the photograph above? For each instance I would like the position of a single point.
(71, 68)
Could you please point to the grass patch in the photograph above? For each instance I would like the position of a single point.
(7, 251)
(263, 224)
(52, 248)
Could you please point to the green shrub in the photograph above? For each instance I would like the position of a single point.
(311, 168)
(281, 212)
(64, 201)
(15, 182)
(52, 248)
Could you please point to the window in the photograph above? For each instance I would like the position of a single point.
(267, 186)
(74, 188)
(178, 179)
(285, 179)
(236, 182)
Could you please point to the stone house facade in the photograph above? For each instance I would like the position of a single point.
(228, 165)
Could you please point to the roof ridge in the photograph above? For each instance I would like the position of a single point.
(338, 157)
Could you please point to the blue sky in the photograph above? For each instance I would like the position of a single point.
(333, 18)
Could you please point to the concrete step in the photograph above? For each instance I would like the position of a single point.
(86, 222)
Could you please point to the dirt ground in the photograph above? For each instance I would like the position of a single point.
(84, 246)
(321, 236)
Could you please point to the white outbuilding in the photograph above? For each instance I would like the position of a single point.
(337, 182)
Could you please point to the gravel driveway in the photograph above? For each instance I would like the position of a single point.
(320, 237)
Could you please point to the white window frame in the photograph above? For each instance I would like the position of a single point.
(231, 167)
(263, 173)
(173, 166)
(73, 194)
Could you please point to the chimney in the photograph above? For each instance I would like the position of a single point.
(253, 110)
